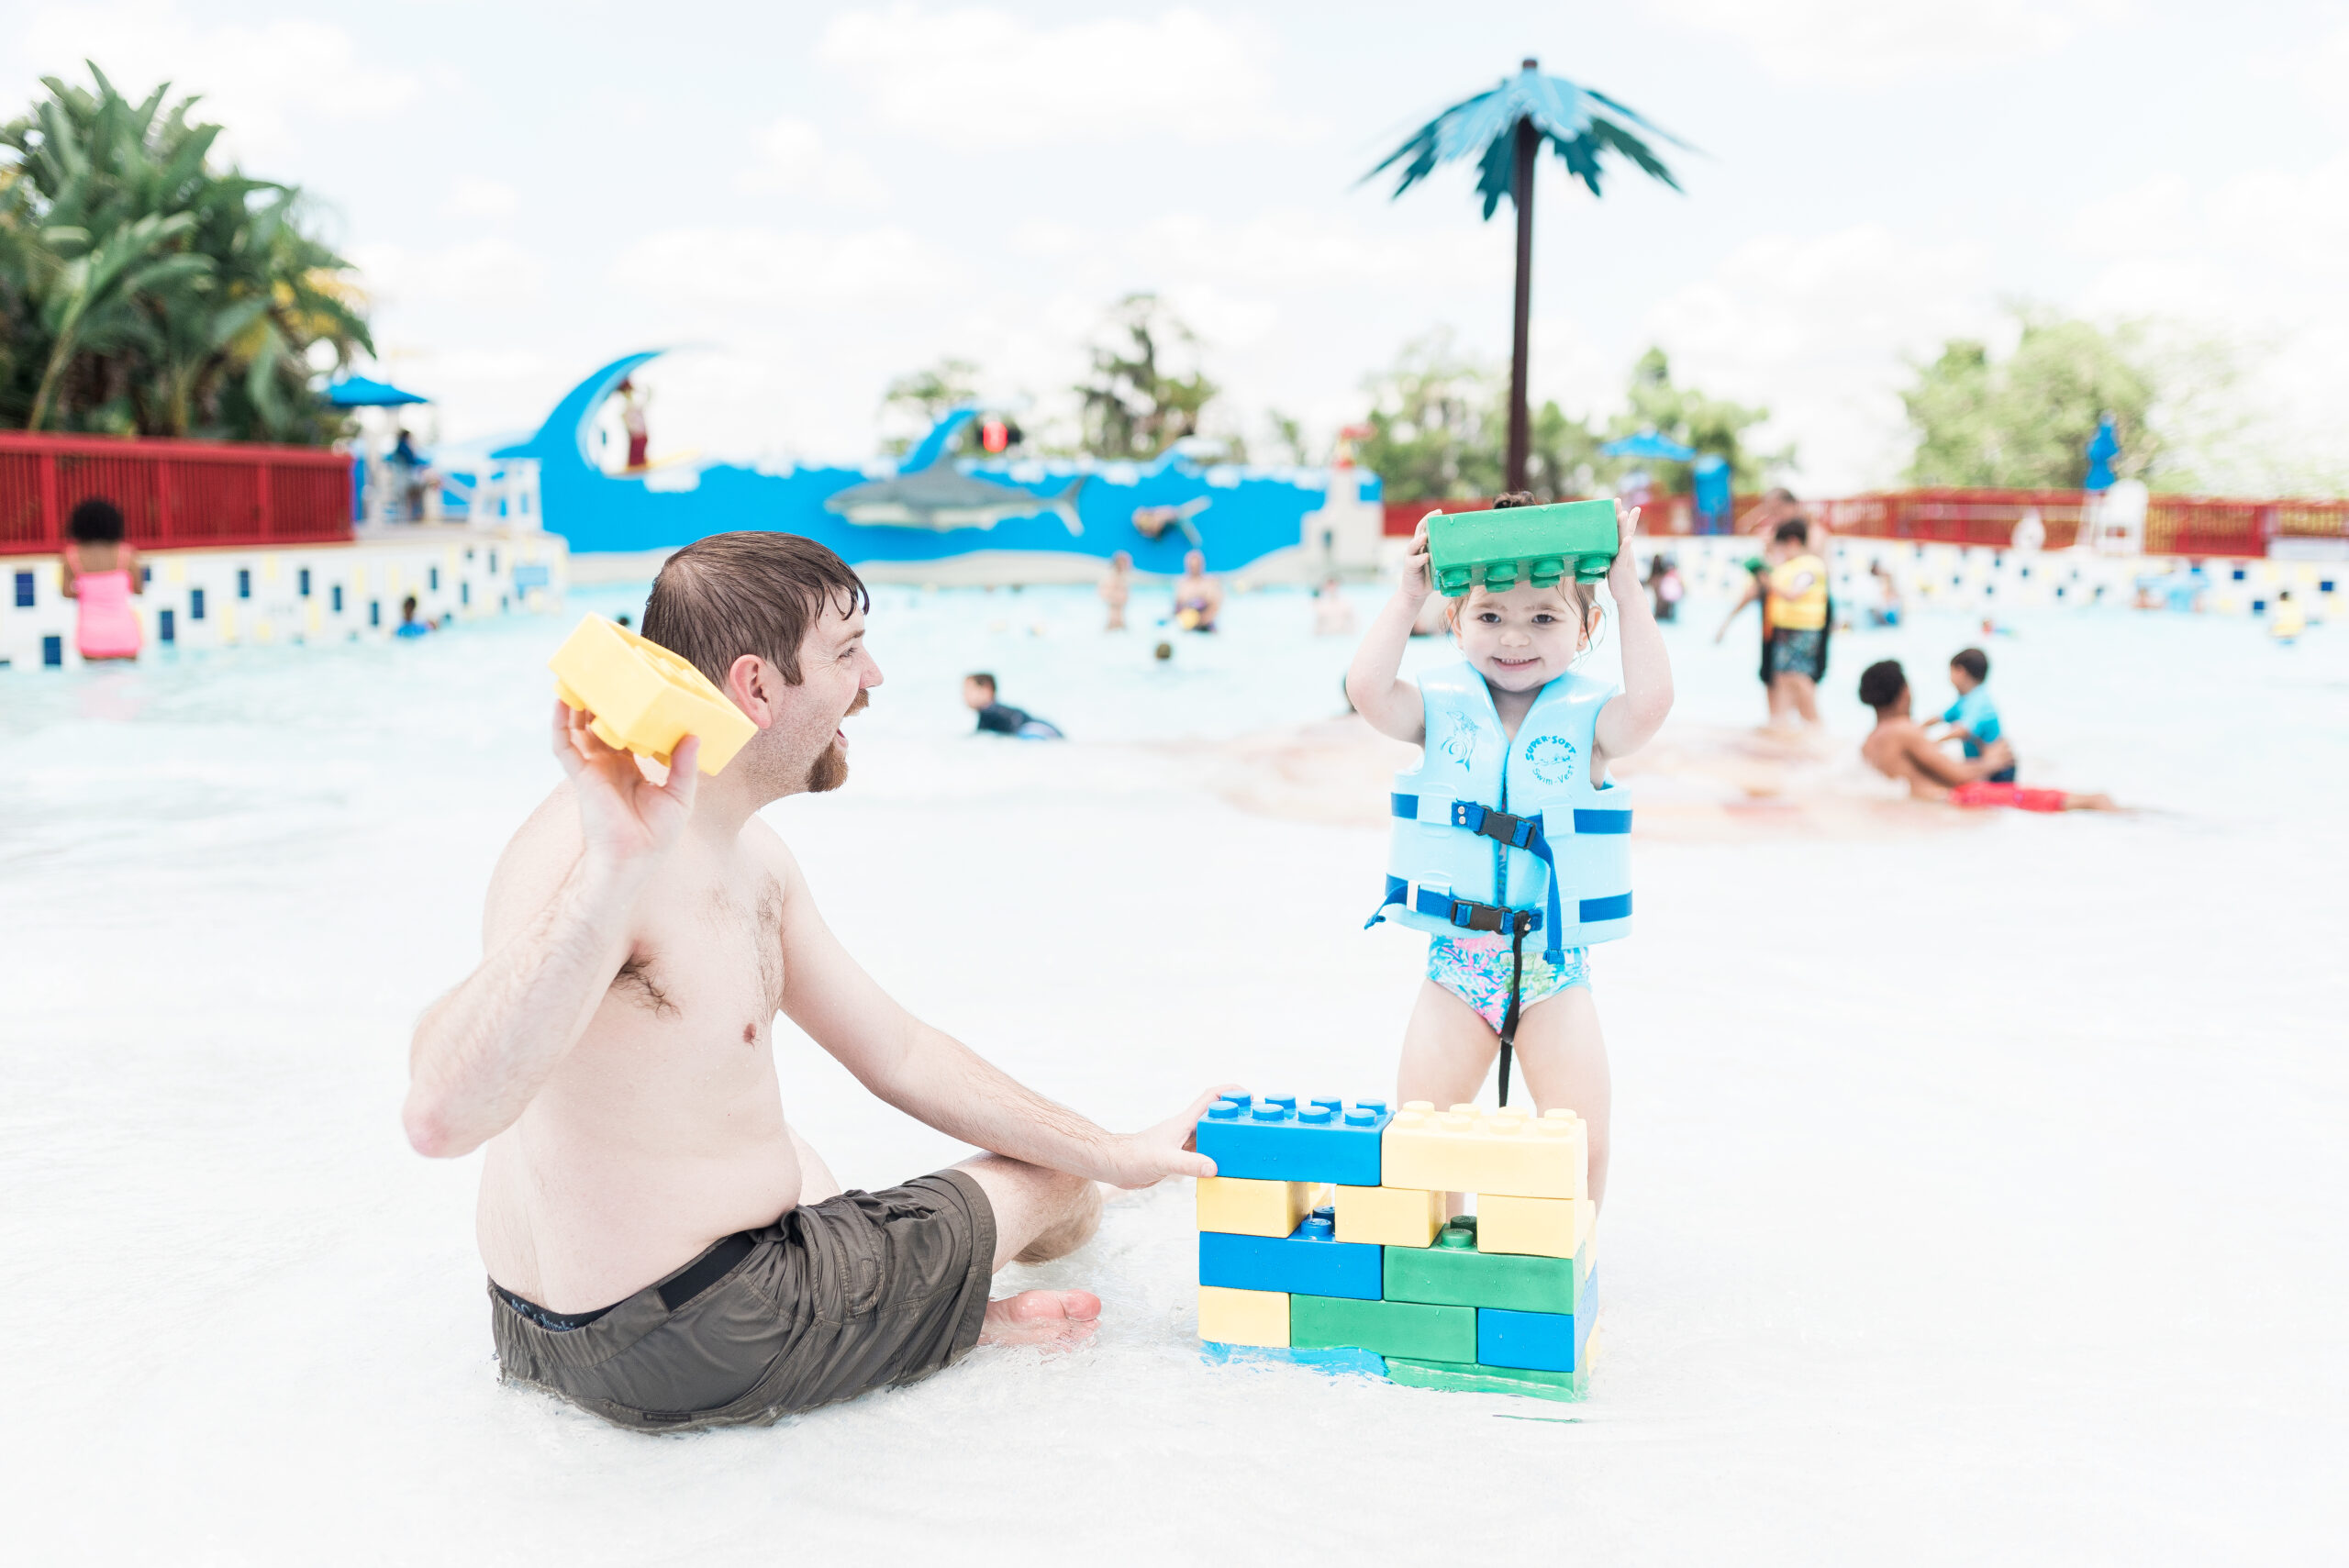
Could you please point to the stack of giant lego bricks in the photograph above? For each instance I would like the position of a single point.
(1323, 1239)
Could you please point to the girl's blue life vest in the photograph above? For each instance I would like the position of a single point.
(1491, 832)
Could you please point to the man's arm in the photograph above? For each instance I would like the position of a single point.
(941, 1081)
(1949, 772)
(557, 930)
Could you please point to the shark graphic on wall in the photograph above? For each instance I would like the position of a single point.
(941, 497)
(932, 507)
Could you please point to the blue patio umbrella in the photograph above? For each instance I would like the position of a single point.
(358, 391)
(1648, 444)
(1503, 129)
(2102, 450)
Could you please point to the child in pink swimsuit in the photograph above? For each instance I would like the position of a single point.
(101, 574)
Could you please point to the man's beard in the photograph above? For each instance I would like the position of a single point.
(829, 770)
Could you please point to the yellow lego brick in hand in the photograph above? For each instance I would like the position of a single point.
(1539, 1227)
(1243, 1317)
(1389, 1216)
(1465, 1150)
(1245, 1207)
(645, 699)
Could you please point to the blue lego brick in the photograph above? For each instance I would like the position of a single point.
(1332, 1361)
(1309, 1260)
(1537, 1342)
(1277, 1137)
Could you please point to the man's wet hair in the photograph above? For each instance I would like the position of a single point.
(983, 679)
(753, 592)
(1794, 530)
(1513, 498)
(1973, 662)
(1882, 683)
(95, 521)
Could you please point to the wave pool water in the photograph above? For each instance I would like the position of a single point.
(1974, 1194)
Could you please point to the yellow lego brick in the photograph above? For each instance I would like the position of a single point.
(1243, 1317)
(645, 698)
(1389, 1216)
(1257, 1208)
(1464, 1150)
(1542, 1226)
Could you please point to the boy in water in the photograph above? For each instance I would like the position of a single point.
(1516, 703)
(1000, 717)
(1899, 749)
(1973, 719)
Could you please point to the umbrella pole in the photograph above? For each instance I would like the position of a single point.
(1529, 142)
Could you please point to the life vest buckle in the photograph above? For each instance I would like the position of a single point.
(1517, 832)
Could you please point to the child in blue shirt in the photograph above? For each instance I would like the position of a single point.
(1973, 719)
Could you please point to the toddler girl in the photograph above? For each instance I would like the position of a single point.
(1509, 846)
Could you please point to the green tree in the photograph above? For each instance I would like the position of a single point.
(919, 399)
(2024, 422)
(1439, 430)
(1693, 419)
(145, 292)
(1133, 405)
(1432, 433)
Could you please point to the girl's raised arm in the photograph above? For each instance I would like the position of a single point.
(1631, 718)
(1392, 707)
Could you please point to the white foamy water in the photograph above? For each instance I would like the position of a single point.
(1976, 1193)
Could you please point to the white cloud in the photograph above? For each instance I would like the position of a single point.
(2260, 261)
(257, 81)
(978, 78)
(749, 266)
(472, 196)
(1820, 329)
(1853, 41)
(1306, 250)
(794, 158)
(478, 271)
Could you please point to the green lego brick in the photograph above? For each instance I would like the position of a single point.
(1454, 1274)
(1467, 1377)
(1384, 1328)
(1539, 545)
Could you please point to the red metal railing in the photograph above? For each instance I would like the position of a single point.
(2175, 525)
(173, 495)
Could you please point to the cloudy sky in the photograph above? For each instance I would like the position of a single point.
(819, 197)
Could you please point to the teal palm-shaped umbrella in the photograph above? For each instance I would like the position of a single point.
(1503, 130)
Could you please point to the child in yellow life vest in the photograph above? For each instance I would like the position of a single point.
(1793, 591)
(1511, 809)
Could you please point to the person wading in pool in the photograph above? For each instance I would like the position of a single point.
(663, 1247)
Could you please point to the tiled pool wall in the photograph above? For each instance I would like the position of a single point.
(216, 598)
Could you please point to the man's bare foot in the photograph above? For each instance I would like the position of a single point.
(1042, 1317)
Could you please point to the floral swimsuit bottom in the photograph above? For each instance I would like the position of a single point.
(1475, 969)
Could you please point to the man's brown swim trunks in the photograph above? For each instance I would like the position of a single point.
(834, 1298)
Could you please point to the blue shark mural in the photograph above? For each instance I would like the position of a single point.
(932, 506)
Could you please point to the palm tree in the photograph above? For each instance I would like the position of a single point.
(1503, 129)
(143, 290)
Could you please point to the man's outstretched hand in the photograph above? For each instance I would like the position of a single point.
(624, 815)
(1143, 1159)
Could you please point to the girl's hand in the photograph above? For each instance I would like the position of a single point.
(1417, 580)
(1627, 523)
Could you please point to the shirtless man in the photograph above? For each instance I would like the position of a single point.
(1116, 588)
(1899, 749)
(1199, 599)
(663, 1247)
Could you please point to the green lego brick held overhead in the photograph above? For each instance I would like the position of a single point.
(1454, 1274)
(1467, 1377)
(1503, 548)
(1383, 1328)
